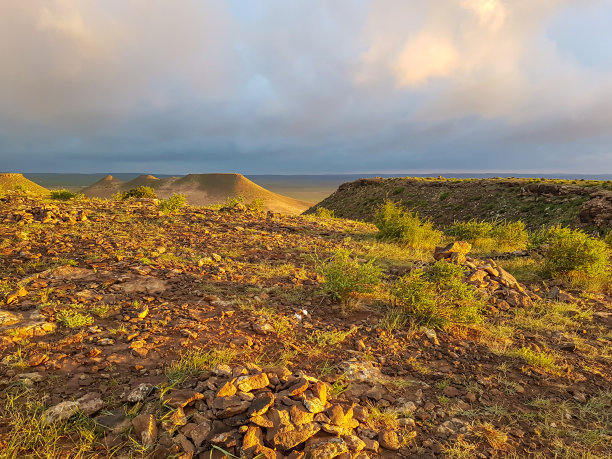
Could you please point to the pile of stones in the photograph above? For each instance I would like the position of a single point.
(253, 412)
(503, 289)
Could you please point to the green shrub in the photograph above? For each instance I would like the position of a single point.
(257, 205)
(510, 235)
(343, 276)
(322, 212)
(496, 236)
(73, 319)
(145, 192)
(470, 231)
(405, 227)
(437, 297)
(173, 204)
(573, 252)
(233, 202)
(65, 195)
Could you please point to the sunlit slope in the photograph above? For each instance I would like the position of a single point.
(202, 190)
(537, 202)
(11, 181)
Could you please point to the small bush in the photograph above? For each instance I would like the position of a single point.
(497, 236)
(257, 205)
(145, 192)
(573, 252)
(608, 238)
(343, 276)
(173, 204)
(322, 212)
(73, 319)
(510, 235)
(65, 195)
(233, 202)
(437, 297)
(405, 227)
(470, 231)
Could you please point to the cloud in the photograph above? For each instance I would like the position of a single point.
(296, 86)
(492, 13)
(426, 56)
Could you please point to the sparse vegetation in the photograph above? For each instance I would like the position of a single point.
(74, 319)
(322, 212)
(437, 297)
(344, 276)
(27, 432)
(404, 227)
(234, 201)
(173, 204)
(257, 205)
(573, 253)
(65, 195)
(496, 236)
(194, 362)
(540, 359)
(142, 192)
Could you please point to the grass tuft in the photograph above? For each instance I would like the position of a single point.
(194, 362)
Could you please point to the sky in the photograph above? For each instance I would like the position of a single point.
(306, 86)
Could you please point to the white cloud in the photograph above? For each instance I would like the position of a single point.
(425, 57)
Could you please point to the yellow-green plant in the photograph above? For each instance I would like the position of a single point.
(404, 227)
(572, 251)
(65, 195)
(173, 204)
(344, 275)
(437, 297)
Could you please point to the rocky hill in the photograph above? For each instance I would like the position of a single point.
(201, 190)
(17, 182)
(536, 202)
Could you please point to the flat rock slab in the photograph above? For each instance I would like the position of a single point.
(144, 284)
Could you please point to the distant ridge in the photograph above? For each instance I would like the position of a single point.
(14, 181)
(201, 190)
(536, 202)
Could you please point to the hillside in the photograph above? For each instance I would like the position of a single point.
(129, 333)
(535, 201)
(17, 182)
(201, 190)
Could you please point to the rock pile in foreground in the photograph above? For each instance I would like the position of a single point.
(504, 290)
(252, 412)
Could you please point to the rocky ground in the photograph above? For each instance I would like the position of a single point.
(129, 333)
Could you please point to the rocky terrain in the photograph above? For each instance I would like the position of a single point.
(537, 202)
(126, 332)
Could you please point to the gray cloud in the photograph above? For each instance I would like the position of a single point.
(318, 86)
